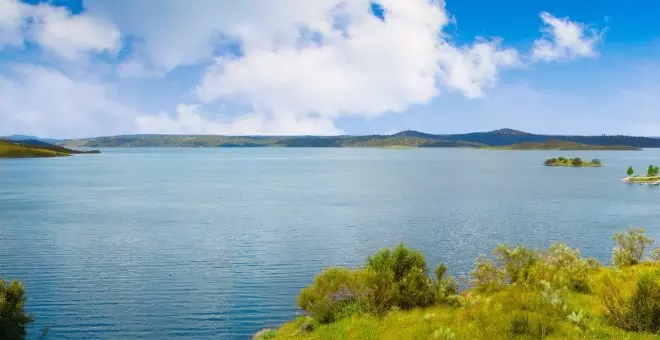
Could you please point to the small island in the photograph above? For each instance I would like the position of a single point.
(36, 149)
(576, 162)
(650, 178)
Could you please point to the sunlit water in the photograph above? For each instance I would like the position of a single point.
(216, 243)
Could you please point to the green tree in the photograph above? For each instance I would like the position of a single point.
(13, 319)
(630, 247)
(631, 171)
(577, 161)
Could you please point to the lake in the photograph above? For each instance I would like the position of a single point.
(216, 243)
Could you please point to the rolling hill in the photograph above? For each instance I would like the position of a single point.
(497, 138)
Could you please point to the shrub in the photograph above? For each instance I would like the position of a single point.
(13, 319)
(445, 286)
(485, 276)
(655, 254)
(562, 266)
(334, 290)
(596, 161)
(630, 171)
(630, 247)
(561, 159)
(636, 309)
(516, 262)
(399, 278)
(550, 161)
(576, 161)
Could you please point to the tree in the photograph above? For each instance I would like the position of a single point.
(650, 171)
(631, 171)
(13, 319)
(577, 161)
(630, 247)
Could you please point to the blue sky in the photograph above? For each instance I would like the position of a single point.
(78, 68)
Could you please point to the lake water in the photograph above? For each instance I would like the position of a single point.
(216, 243)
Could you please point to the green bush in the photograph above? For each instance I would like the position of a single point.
(13, 319)
(399, 278)
(562, 266)
(392, 278)
(550, 161)
(596, 161)
(334, 290)
(637, 310)
(576, 161)
(630, 171)
(517, 262)
(630, 247)
(486, 276)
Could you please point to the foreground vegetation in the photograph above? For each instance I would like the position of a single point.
(13, 319)
(518, 293)
(576, 162)
(35, 149)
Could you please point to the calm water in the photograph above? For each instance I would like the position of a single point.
(216, 243)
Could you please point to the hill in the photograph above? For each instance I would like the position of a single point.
(562, 145)
(35, 149)
(502, 137)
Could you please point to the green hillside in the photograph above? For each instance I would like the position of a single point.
(35, 149)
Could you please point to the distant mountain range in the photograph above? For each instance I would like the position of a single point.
(497, 138)
(22, 138)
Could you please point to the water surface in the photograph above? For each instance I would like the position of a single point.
(216, 243)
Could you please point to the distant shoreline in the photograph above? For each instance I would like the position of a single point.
(504, 139)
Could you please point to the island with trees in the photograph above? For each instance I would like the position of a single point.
(576, 162)
(517, 293)
(36, 149)
(652, 176)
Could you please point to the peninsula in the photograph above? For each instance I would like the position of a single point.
(35, 149)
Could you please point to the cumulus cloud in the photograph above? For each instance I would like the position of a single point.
(365, 67)
(46, 102)
(55, 29)
(565, 39)
(12, 14)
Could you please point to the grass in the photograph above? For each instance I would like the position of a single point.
(540, 294)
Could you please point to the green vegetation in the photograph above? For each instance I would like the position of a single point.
(518, 293)
(561, 145)
(650, 178)
(35, 149)
(572, 162)
(13, 319)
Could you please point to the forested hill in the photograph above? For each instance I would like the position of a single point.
(406, 138)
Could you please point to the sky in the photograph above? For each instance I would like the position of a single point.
(84, 68)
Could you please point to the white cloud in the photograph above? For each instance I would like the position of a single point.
(71, 36)
(46, 102)
(366, 69)
(189, 120)
(55, 29)
(12, 14)
(565, 39)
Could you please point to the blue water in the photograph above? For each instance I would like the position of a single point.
(216, 243)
